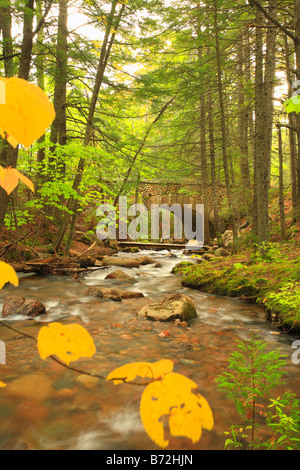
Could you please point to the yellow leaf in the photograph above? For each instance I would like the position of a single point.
(67, 342)
(129, 372)
(9, 179)
(7, 274)
(25, 111)
(2, 384)
(2, 93)
(173, 398)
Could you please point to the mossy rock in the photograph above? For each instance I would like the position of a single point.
(181, 266)
(176, 306)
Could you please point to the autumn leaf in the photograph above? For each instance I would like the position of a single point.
(2, 384)
(7, 274)
(173, 398)
(129, 372)
(9, 179)
(67, 342)
(25, 111)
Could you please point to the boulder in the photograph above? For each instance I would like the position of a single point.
(207, 257)
(112, 294)
(119, 275)
(156, 265)
(131, 249)
(18, 305)
(227, 238)
(221, 252)
(176, 306)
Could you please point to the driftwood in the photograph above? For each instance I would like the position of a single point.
(55, 265)
(90, 248)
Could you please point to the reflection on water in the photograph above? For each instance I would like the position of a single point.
(46, 406)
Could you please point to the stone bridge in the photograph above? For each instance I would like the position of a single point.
(158, 192)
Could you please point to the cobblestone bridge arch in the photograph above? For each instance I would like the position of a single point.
(158, 192)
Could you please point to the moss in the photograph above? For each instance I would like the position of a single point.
(273, 284)
(179, 268)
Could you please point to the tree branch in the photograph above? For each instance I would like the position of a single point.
(42, 20)
(287, 126)
(163, 109)
(273, 20)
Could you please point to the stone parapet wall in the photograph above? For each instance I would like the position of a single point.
(155, 192)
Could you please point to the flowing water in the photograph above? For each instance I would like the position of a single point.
(46, 406)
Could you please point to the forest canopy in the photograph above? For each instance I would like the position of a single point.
(169, 90)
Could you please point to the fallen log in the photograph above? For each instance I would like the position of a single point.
(55, 265)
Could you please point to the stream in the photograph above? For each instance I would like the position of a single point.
(46, 406)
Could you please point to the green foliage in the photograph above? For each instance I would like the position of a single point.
(283, 418)
(270, 278)
(16, 219)
(292, 104)
(253, 373)
(267, 251)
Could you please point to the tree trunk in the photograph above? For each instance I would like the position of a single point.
(40, 78)
(224, 133)
(59, 126)
(10, 155)
(5, 26)
(292, 134)
(104, 55)
(243, 129)
(297, 117)
(281, 188)
(213, 162)
(264, 86)
(27, 42)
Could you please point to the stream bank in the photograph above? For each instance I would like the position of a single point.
(273, 284)
(46, 406)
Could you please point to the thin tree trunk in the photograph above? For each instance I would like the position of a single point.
(203, 153)
(292, 135)
(27, 42)
(137, 153)
(297, 117)
(281, 188)
(105, 51)
(40, 78)
(243, 129)
(263, 126)
(224, 133)
(258, 113)
(59, 125)
(7, 42)
(10, 156)
(213, 162)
